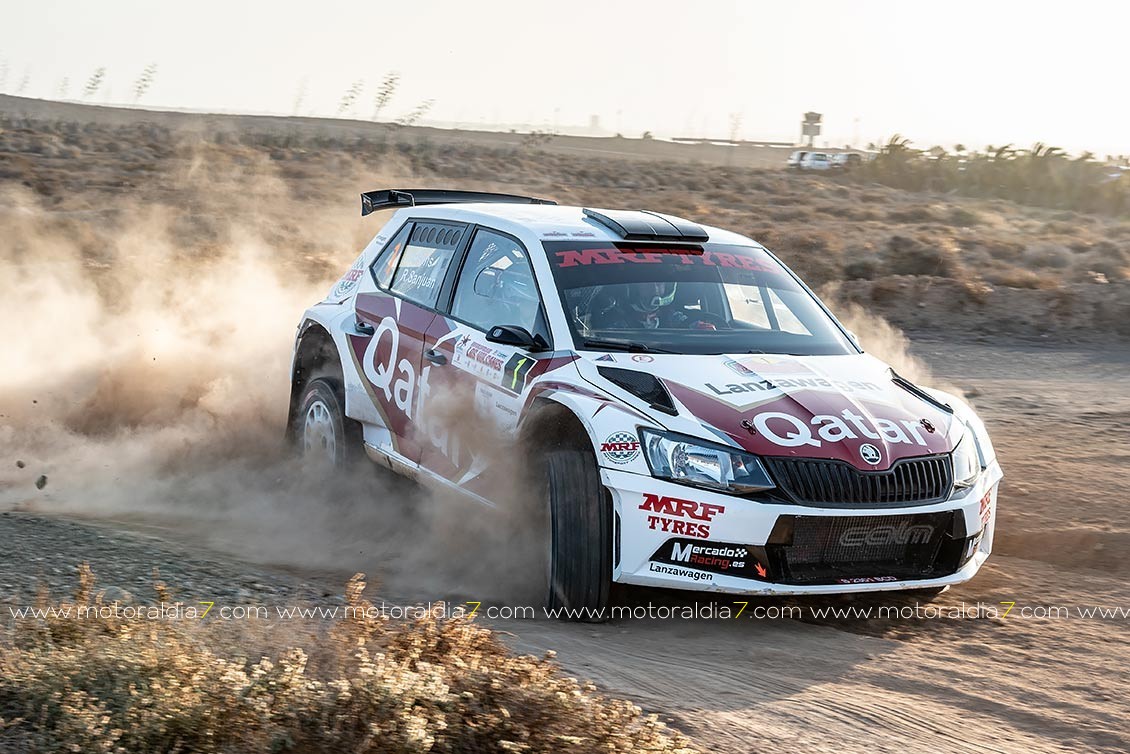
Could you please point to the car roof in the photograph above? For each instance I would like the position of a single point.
(547, 221)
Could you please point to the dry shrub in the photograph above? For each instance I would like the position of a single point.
(963, 217)
(1048, 254)
(936, 257)
(918, 214)
(888, 291)
(1018, 277)
(790, 214)
(1005, 250)
(1104, 258)
(847, 210)
(863, 268)
(814, 254)
(367, 684)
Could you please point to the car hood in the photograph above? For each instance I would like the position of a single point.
(838, 407)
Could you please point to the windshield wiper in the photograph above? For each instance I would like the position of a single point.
(601, 344)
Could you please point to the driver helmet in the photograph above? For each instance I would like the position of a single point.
(650, 297)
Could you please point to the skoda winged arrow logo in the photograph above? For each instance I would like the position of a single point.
(870, 454)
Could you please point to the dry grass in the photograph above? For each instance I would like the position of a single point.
(991, 252)
(364, 684)
(808, 219)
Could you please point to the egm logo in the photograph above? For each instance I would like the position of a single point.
(621, 447)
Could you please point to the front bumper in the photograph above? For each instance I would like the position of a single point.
(674, 536)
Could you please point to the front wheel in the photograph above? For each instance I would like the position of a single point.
(580, 537)
(327, 439)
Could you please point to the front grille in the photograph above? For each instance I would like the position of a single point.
(835, 549)
(836, 484)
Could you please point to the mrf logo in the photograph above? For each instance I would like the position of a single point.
(878, 536)
(621, 447)
(670, 514)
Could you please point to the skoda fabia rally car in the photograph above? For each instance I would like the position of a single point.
(694, 416)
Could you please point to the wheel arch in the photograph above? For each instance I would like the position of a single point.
(315, 355)
(550, 423)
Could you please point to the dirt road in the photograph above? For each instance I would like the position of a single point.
(968, 679)
(1060, 420)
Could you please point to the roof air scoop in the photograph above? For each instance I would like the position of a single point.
(642, 225)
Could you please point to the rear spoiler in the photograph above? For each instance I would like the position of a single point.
(371, 201)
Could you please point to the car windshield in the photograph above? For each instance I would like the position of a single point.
(687, 299)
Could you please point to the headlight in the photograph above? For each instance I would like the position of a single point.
(966, 461)
(689, 461)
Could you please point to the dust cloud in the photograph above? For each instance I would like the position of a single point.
(146, 366)
(145, 376)
(884, 341)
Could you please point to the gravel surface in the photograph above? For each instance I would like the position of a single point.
(38, 552)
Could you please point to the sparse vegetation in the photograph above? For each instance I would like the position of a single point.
(385, 92)
(922, 260)
(94, 83)
(1042, 175)
(362, 684)
(417, 114)
(144, 82)
(349, 99)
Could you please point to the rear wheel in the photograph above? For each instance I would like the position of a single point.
(579, 572)
(327, 439)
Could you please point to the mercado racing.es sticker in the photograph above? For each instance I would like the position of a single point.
(715, 557)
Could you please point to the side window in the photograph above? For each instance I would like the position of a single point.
(496, 285)
(385, 263)
(425, 260)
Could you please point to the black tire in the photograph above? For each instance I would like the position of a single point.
(336, 436)
(580, 548)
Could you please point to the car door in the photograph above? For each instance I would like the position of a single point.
(411, 275)
(476, 388)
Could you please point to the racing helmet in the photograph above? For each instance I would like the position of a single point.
(650, 297)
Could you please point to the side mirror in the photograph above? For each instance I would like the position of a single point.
(513, 335)
(854, 339)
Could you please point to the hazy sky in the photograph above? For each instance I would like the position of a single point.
(937, 72)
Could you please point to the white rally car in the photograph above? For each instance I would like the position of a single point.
(696, 417)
